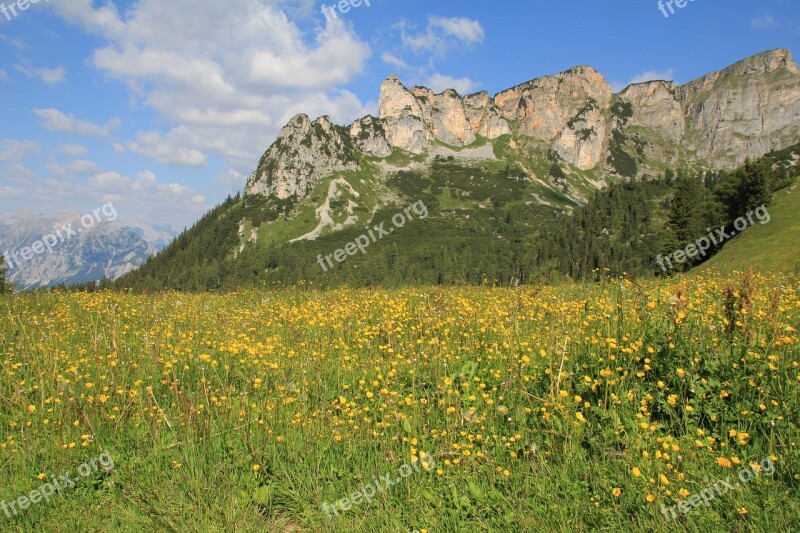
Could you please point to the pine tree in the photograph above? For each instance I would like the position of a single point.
(755, 186)
(686, 216)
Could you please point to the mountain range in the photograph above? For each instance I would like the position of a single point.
(572, 118)
(481, 163)
(106, 250)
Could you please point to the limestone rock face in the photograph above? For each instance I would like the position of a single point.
(551, 108)
(745, 110)
(581, 142)
(304, 152)
(401, 114)
(655, 105)
(370, 137)
(718, 120)
(414, 118)
(484, 116)
(654, 110)
(445, 116)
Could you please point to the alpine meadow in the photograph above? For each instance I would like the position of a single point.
(434, 297)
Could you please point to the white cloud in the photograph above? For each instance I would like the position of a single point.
(462, 28)
(650, 75)
(764, 22)
(17, 173)
(4, 75)
(14, 150)
(442, 34)
(227, 77)
(51, 76)
(11, 192)
(326, 66)
(439, 83)
(69, 170)
(145, 194)
(55, 120)
(19, 44)
(169, 150)
(72, 149)
(232, 178)
(82, 166)
(393, 60)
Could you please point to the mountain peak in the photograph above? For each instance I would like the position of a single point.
(303, 151)
(298, 119)
(762, 63)
(770, 61)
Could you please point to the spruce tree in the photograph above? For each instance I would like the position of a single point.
(686, 216)
(755, 187)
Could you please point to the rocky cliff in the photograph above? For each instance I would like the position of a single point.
(716, 121)
(743, 111)
(304, 152)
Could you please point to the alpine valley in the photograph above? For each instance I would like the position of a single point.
(556, 177)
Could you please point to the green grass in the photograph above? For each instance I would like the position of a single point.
(766, 247)
(400, 158)
(449, 201)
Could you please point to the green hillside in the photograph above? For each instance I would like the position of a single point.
(517, 217)
(774, 246)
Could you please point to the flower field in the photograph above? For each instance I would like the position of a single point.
(575, 408)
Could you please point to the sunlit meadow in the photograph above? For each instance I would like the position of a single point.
(572, 408)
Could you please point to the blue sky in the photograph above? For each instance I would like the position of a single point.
(165, 106)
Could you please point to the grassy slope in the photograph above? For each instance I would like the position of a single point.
(373, 191)
(766, 247)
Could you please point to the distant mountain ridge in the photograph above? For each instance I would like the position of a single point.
(104, 250)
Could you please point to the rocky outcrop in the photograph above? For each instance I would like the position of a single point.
(650, 110)
(581, 142)
(304, 152)
(544, 106)
(445, 116)
(370, 137)
(655, 105)
(401, 114)
(484, 116)
(413, 118)
(565, 110)
(745, 110)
